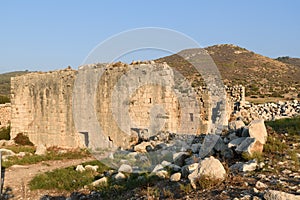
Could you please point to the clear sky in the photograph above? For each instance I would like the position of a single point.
(47, 35)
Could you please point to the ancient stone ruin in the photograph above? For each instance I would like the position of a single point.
(109, 105)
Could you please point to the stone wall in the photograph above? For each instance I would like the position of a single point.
(107, 105)
(42, 108)
(115, 103)
(5, 114)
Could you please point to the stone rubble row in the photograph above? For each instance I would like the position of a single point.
(268, 111)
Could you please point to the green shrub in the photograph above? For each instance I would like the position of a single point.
(4, 99)
(275, 145)
(22, 139)
(62, 179)
(206, 182)
(5, 133)
(288, 125)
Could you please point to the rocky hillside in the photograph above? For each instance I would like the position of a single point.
(5, 81)
(289, 60)
(262, 76)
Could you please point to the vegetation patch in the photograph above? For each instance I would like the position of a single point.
(51, 155)
(288, 125)
(62, 179)
(22, 139)
(4, 99)
(20, 148)
(5, 133)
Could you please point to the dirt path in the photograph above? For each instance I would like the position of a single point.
(17, 177)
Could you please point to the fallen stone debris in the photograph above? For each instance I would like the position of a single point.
(185, 158)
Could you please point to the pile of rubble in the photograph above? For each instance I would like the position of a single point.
(268, 111)
(192, 158)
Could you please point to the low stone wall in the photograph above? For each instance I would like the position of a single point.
(268, 111)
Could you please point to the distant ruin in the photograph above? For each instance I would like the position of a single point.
(43, 106)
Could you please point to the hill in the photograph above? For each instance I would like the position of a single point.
(262, 76)
(5, 84)
(289, 60)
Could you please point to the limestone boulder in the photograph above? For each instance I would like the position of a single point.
(80, 168)
(179, 158)
(142, 147)
(207, 148)
(209, 167)
(175, 177)
(119, 176)
(236, 142)
(257, 130)
(125, 168)
(188, 169)
(41, 150)
(244, 167)
(236, 126)
(7, 152)
(249, 146)
(92, 167)
(278, 195)
(101, 181)
(157, 168)
(162, 174)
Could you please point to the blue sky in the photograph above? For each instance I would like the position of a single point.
(47, 35)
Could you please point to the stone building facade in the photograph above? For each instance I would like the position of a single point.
(106, 105)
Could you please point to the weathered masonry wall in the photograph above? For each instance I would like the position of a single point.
(113, 104)
(42, 108)
(130, 99)
(5, 114)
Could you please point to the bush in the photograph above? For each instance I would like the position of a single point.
(22, 139)
(289, 125)
(4, 99)
(5, 133)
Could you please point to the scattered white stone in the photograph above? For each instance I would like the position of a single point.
(244, 167)
(119, 176)
(92, 168)
(278, 195)
(175, 177)
(101, 181)
(141, 148)
(286, 171)
(80, 168)
(255, 190)
(41, 150)
(260, 185)
(21, 154)
(162, 174)
(7, 152)
(165, 163)
(125, 168)
(157, 168)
